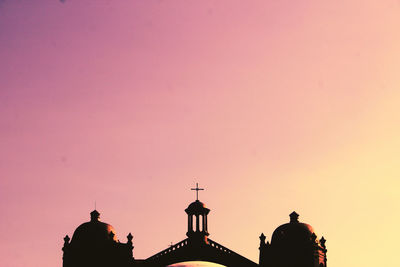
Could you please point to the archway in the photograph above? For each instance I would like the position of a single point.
(194, 251)
(196, 264)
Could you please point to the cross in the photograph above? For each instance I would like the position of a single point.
(197, 190)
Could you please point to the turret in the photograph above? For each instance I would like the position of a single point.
(197, 220)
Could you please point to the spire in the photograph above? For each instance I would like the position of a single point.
(66, 241)
(322, 242)
(129, 237)
(262, 238)
(130, 245)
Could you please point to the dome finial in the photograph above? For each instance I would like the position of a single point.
(94, 216)
(294, 217)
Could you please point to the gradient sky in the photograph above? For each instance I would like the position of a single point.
(272, 106)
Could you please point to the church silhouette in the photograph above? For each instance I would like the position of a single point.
(94, 244)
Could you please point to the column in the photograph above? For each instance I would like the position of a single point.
(205, 223)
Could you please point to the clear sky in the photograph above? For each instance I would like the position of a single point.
(272, 106)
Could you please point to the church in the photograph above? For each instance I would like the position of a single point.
(293, 244)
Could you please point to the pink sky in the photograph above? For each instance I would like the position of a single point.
(272, 106)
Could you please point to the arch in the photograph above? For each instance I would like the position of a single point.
(210, 251)
(196, 263)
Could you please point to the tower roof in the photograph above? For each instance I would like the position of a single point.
(197, 207)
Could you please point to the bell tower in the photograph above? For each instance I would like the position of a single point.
(197, 220)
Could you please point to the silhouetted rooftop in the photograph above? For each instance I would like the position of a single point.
(293, 232)
(93, 232)
(196, 206)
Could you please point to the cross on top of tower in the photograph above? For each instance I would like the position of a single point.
(197, 190)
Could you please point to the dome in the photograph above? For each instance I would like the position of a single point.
(293, 232)
(196, 207)
(93, 232)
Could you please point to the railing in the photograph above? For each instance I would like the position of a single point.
(227, 250)
(169, 250)
(220, 247)
(211, 243)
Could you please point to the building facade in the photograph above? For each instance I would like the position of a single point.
(94, 244)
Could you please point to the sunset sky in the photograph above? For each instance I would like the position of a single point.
(271, 106)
